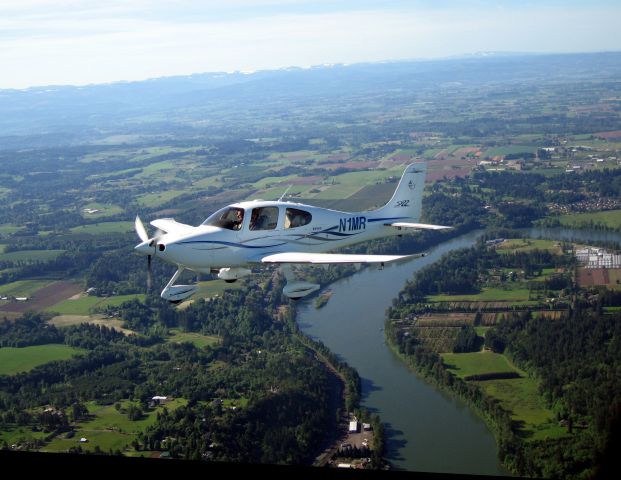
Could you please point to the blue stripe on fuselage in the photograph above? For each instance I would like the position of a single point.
(370, 220)
(232, 244)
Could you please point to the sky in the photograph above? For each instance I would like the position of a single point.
(78, 42)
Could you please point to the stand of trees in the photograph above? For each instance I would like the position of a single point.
(285, 397)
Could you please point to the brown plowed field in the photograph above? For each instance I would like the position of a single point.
(588, 277)
(44, 297)
(610, 136)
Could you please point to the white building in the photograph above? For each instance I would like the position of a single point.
(353, 426)
(593, 257)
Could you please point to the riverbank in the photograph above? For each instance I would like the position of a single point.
(437, 376)
(363, 448)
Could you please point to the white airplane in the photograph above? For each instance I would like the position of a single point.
(246, 234)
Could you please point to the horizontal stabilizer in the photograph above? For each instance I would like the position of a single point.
(327, 258)
(421, 226)
(171, 226)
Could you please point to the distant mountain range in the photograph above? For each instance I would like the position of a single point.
(56, 109)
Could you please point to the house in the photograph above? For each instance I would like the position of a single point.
(159, 400)
(354, 426)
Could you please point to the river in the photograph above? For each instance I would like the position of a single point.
(427, 431)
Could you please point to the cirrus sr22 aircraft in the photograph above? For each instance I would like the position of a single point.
(247, 234)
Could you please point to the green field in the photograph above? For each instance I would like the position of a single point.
(349, 183)
(17, 433)
(86, 305)
(23, 288)
(30, 255)
(516, 296)
(105, 210)
(513, 245)
(609, 219)
(108, 428)
(200, 341)
(520, 396)
(16, 360)
(156, 199)
(8, 229)
(476, 363)
(104, 227)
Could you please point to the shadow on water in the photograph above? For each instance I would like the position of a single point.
(368, 386)
(395, 443)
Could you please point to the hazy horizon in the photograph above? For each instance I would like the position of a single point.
(70, 42)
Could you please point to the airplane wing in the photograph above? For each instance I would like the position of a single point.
(422, 226)
(171, 226)
(327, 258)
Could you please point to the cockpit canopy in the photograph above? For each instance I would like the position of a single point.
(230, 218)
(261, 218)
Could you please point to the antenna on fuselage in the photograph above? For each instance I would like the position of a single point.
(283, 195)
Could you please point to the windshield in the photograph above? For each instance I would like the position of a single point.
(230, 218)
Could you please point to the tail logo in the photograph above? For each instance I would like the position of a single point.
(403, 203)
(412, 185)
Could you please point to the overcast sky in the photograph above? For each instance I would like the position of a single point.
(76, 42)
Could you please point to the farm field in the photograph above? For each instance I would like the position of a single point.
(520, 396)
(108, 428)
(23, 288)
(24, 359)
(104, 227)
(200, 341)
(513, 245)
(477, 363)
(42, 295)
(7, 230)
(157, 199)
(515, 296)
(60, 321)
(86, 304)
(103, 210)
(610, 219)
(13, 434)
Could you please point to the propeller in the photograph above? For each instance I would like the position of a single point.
(140, 230)
(147, 244)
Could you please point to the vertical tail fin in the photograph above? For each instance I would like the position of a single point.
(408, 197)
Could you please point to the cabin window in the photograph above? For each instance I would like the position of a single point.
(296, 218)
(230, 218)
(264, 218)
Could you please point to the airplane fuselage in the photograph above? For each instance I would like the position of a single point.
(215, 245)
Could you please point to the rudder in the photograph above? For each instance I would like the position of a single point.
(408, 197)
